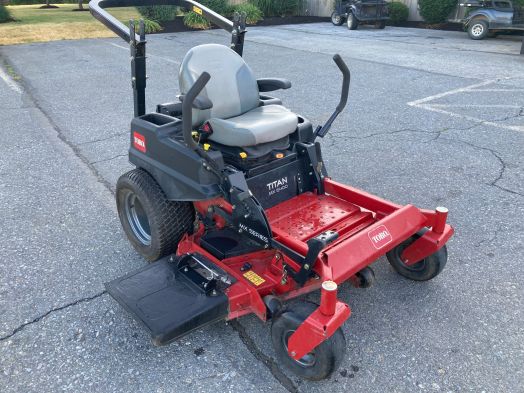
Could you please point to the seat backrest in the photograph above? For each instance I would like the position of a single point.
(232, 88)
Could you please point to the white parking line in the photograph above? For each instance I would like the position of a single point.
(474, 106)
(499, 90)
(471, 118)
(424, 103)
(449, 93)
(9, 81)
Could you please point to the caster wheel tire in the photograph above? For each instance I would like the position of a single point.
(423, 270)
(153, 224)
(478, 29)
(352, 22)
(337, 19)
(381, 25)
(366, 277)
(316, 365)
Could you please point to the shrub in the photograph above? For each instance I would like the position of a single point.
(5, 16)
(253, 13)
(192, 19)
(219, 6)
(398, 12)
(278, 7)
(159, 13)
(151, 26)
(29, 2)
(436, 11)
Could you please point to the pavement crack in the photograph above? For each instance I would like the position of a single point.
(502, 163)
(520, 113)
(108, 159)
(335, 136)
(268, 361)
(47, 313)
(491, 239)
(103, 139)
(27, 91)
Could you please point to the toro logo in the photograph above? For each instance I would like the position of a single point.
(139, 142)
(380, 237)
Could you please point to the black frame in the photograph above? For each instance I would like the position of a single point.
(137, 42)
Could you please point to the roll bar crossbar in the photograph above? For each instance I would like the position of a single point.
(137, 42)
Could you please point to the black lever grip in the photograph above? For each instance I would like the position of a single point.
(322, 131)
(342, 66)
(187, 108)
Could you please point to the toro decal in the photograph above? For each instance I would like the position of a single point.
(139, 142)
(380, 237)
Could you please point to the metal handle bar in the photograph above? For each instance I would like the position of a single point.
(342, 66)
(97, 9)
(187, 108)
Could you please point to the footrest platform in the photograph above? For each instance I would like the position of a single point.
(168, 301)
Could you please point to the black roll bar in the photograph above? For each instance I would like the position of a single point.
(137, 42)
(97, 10)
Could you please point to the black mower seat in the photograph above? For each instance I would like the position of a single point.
(236, 118)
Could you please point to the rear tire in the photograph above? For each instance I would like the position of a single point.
(381, 25)
(337, 19)
(352, 22)
(153, 224)
(422, 270)
(316, 365)
(478, 29)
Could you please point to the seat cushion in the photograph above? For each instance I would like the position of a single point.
(260, 125)
(232, 89)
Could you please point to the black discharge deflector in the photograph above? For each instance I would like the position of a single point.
(227, 243)
(173, 297)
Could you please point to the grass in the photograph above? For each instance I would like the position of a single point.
(33, 24)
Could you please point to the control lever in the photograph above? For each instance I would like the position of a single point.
(322, 131)
(187, 108)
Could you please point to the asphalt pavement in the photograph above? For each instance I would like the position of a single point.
(433, 119)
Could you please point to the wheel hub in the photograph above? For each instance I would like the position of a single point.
(307, 360)
(477, 30)
(137, 218)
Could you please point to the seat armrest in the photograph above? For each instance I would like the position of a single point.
(268, 100)
(200, 102)
(272, 84)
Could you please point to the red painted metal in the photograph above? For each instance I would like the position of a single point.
(316, 329)
(427, 244)
(379, 206)
(346, 257)
(328, 298)
(441, 215)
(368, 227)
(297, 220)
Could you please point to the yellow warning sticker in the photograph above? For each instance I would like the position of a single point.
(197, 10)
(254, 278)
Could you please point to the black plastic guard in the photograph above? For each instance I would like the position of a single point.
(166, 302)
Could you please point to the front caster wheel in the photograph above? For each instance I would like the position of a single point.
(366, 277)
(319, 363)
(153, 224)
(423, 270)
